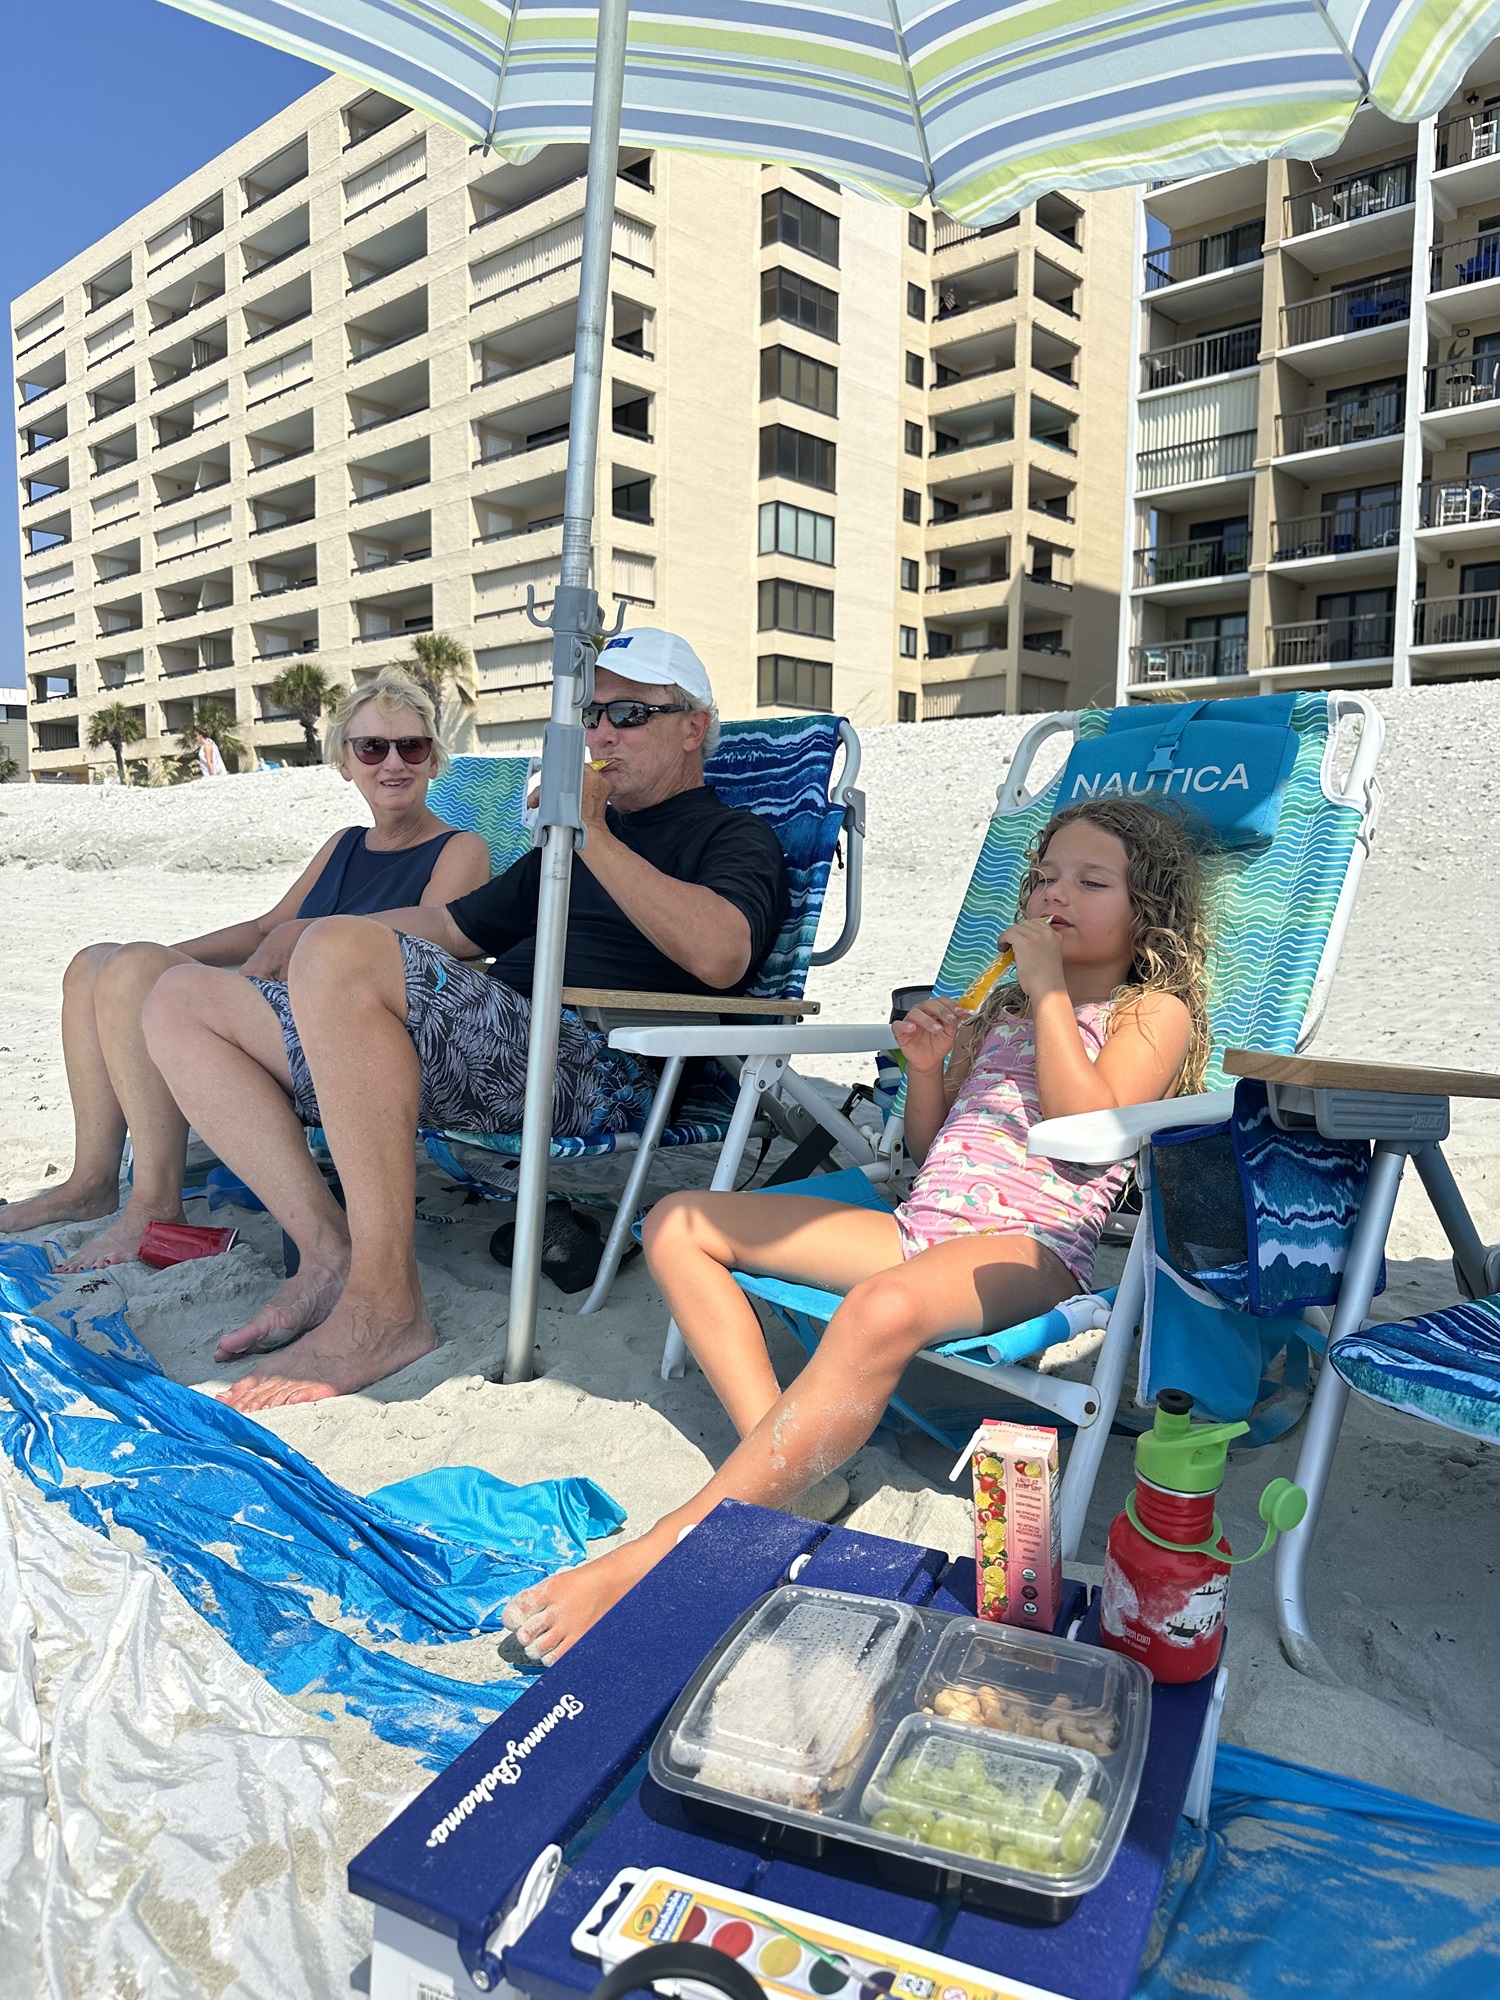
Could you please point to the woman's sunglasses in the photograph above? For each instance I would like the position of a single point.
(375, 749)
(628, 714)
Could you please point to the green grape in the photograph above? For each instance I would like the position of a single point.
(1076, 1845)
(968, 1766)
(890, 1820)
(1011, 1856)
(1091, 1815)
(1054, 1807)
(919, 1826)
(974, 1844)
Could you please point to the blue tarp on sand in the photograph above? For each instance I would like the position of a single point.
(254, 1535)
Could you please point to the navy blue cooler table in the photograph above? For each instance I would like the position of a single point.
(457, 1877)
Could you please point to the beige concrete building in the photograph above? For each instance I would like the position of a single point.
(14, 736)
(316, 400)
(1316, 426)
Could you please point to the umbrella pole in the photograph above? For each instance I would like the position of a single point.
(575, 628)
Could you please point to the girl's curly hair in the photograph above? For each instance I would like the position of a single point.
(1164, 880)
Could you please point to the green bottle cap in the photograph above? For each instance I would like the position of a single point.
(1179, 1455)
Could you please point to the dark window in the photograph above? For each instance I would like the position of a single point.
(911, 507)
(783, 295)
(939, 645)
(914, 440)
(787, 683)
(916, 302)
(796, 607)
(906, 706)
(797, 455)
(800, 379)
(632, 502)
(911, 574)
(795, 531)
(916, 372)
(916, 232)
(787, 218)
(908, 642)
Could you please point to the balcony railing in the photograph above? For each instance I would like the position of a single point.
(1338, 313)
(1315, 642)
(1200, 458)
(1191, 360)
(1467, 620)
(1191, 562)
(1336, 424)
(1336, 534)
(1476, 137)
(951, 303)
(1458, 504)
(1468, 378)
(1468, 261)
(946, 443)
(526, 528)
(1189, 660)
(1203, 256)
(388, 562)
(1371, 191)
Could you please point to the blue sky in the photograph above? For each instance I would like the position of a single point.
(108, 103)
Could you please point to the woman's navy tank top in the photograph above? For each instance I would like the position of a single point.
(359, 880)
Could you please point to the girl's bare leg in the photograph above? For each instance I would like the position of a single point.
(971, 1284)
(158, 1130)
(93, 1187)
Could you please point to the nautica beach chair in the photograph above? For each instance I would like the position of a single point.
(800, 774)
(1280, 911)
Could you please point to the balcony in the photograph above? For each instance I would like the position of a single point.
(1336, 314)
(1371, 191)
(1459, 141)
(1189, 660)
(1331, 426)
(1222, 353)
(1203, 256)
(957, 298)
(1337, 533)
(1472, 619)
(277, 241)
(1200, 459)
(1470, 260)
(1459, 505)
(1321, 642)
(275, 176)
(1211, 556)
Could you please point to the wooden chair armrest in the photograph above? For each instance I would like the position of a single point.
(688, 1003)
(1333, 1073)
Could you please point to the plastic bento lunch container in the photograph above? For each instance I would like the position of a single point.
(950, 1746)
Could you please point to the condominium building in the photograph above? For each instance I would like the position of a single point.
(1315, 431)
(14, 744)
(316, 400)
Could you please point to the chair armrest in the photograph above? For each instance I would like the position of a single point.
(685, 1003)
(1101, 1138)
(726, 1039)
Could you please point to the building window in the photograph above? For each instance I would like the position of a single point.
(911, 575)
(632, 501)
(796, 607)
(812, 461)
(796, 531)
(916, 372)
(783, 295)
(914, 440)
(908, 642)
(787, 218)
(906, 706)
(916, 236)
(916, 302)
(799, 379)
(911, 507)
(787, 683)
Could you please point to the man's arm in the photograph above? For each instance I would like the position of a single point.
(702, 932)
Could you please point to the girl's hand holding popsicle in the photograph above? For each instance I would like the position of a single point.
(927, 1034)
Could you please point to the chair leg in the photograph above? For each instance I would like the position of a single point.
(1315, 1461)
(1109, 1378)
(1452, 1212)
(635, 1184)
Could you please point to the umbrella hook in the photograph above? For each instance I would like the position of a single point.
(546, 623)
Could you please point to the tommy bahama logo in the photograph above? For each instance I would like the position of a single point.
(1203, 778)
(507, 1771)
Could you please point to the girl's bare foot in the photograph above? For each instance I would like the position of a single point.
(553, 1615)
(70, 1201)
(353, 1347)
(301, 1302)
(121, 1242)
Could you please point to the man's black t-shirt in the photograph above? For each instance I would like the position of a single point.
(693, 837)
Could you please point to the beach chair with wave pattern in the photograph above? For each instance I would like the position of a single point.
(797, 772)
(1279, 917)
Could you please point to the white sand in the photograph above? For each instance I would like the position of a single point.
(1404, 1572)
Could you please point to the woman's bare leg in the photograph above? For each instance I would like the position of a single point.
(93, 1187)
(158, 1130)
(971, 1284)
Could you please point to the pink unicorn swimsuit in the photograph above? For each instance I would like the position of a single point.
(977, 1178)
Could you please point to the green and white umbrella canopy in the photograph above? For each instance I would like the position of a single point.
(980, 106)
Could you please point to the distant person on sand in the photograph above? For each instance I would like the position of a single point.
(384, 739)
(210, 757)
(1107, 1007)
(377, 1027)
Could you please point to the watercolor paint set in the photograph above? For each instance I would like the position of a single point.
(793, 1955)
(952, 1747)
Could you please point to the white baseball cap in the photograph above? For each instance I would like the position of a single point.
(658, 659)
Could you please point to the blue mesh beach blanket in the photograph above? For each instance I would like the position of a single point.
(255, 1536)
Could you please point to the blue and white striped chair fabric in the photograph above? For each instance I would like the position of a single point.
(1442, 1366)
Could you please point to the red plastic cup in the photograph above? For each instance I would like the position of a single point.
(167, 1243)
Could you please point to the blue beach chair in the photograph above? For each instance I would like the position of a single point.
(1280, 913)
(796, 772)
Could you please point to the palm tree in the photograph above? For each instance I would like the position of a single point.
(305, 691)
(9, 768)
(442, 663)
(214, 721)
(116, 725)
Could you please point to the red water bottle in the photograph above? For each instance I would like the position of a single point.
(1166, 1573)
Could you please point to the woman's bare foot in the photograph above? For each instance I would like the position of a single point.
(69, 1201)
(121, 1242)
(300, 1303)
(354, 1346)
(553, 1615)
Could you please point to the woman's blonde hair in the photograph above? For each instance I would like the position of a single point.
(1164, 881)
(389, 690)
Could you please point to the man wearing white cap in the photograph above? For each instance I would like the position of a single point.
(393, 1026)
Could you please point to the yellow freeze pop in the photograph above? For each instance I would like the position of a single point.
(988, 980)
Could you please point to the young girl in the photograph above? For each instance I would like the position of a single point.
(1106, 1008)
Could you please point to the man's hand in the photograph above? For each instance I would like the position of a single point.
(272, 959)
(927, 1034)
(597, 786)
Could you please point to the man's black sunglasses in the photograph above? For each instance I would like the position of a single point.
(628, 714)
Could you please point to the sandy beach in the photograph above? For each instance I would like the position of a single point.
(1404, 1573)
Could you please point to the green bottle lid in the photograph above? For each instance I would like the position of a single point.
(1179, 1455)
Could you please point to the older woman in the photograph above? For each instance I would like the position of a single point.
(383, 739)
